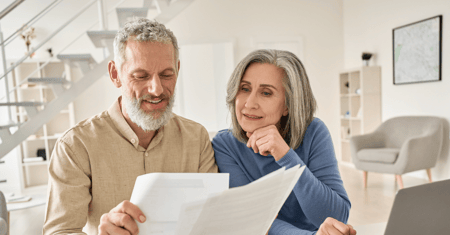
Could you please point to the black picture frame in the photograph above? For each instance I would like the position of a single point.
(415, 56)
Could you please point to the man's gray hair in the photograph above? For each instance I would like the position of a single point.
(142, 30)
(299, 98)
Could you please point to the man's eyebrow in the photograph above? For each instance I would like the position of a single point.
(169, 69)
(138, 70)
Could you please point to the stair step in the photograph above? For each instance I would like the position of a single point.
(102, 38)
(169, 9)
(23, 104)
(77, 57)
(47, 80)
(126, 14)
(9, 126)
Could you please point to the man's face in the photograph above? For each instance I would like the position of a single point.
(148, 79)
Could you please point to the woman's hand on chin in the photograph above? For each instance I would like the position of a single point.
(267, 140)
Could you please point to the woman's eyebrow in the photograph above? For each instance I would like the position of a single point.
(267, 85)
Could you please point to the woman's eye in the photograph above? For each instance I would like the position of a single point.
(245, 89)
(265, 93)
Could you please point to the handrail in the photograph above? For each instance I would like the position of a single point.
(30, 22)
(48, 38)
(48, 61)
(10, 8)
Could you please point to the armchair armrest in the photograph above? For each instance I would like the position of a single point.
(3, 227)
(419, 152)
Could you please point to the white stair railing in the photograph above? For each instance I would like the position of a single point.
(92, 71)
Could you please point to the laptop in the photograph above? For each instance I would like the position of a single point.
(420, 210)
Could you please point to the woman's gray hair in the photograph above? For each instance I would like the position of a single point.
(142, 30)
(299, 98)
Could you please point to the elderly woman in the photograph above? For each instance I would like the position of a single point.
(273, 126)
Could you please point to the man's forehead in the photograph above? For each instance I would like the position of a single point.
(132, 43)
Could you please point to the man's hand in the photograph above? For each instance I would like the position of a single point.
(267, 140)
(120, 220)
(333, 227)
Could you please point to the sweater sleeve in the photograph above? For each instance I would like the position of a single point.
(281, 227)
(226, 163)
(319, 191)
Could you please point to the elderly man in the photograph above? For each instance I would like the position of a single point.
(94, 165)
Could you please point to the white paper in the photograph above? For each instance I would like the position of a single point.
(249, 209)
(160, 197)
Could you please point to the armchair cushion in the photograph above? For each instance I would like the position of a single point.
(381, 155)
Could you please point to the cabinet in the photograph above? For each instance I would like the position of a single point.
(360, 104)
(34, 170)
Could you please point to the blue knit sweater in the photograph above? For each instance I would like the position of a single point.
(318, 194)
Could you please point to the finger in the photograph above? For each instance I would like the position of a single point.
(352, 230)
(129, 208)
(264, 146)
(251, 143)
(328, 229)
(123, 220)
(341, 227)
(107, 226)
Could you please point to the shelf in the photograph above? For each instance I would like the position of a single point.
(34, 87)
(350, 95)
(351, 118)
(360, 104)
(35, 163)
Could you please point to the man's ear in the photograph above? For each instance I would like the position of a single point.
(178, 72)
(114, 74)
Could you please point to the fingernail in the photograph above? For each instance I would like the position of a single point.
(142, 218)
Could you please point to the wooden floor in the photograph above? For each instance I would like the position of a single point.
(371, 205)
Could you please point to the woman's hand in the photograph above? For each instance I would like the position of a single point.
(332, 226)
(267, 140)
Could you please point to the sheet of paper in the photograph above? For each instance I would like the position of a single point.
(161, 195)
(249, 209)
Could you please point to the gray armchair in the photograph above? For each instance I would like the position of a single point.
(3, 215)
(400, 145)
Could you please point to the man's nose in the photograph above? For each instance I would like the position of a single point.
(154, 86)
(252, 101)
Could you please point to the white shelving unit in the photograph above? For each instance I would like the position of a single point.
(360, 104)
(34, 174)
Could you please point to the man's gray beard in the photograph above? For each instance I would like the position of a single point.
(146, 120)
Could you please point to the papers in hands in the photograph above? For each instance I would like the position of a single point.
(199, 203)
(249, 209)
(161, 195)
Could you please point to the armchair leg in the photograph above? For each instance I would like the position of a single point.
(365, 179)
(399, 181)
(429, 174)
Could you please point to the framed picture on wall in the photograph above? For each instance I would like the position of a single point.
(417, 55)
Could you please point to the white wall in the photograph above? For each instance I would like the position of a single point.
(318, 23)
(368, 27)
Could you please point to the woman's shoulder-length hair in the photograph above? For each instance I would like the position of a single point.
(299, 98)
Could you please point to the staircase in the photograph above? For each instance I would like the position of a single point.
(66, 91)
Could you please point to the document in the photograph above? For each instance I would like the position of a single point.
(250, 209)
(201, 203)
(160, 197)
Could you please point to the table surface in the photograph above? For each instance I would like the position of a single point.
(36, 200)
(371, 229)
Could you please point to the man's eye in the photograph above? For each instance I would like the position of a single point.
(245, 89)
(265, 93)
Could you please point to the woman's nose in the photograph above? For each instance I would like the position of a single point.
(154, 86)
(252, 101)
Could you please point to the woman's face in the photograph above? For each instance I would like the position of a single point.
(260, 99)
